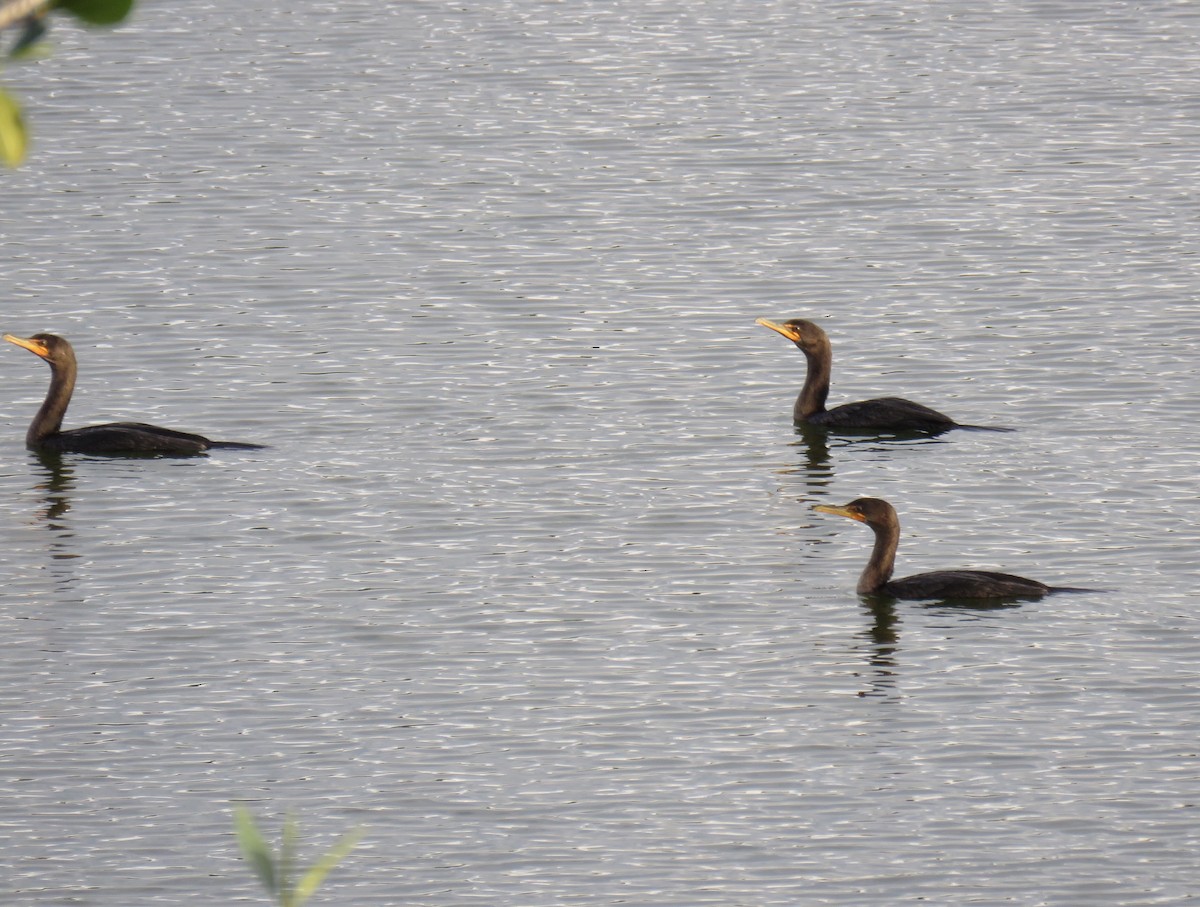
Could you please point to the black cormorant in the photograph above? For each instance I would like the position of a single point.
(877, 579)
(46, 434)
(887, 413)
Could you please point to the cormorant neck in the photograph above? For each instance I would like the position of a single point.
(883, 559)
(816, 383)
(49, 418)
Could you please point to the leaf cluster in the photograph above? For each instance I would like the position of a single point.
(277, 871)
(30, 18)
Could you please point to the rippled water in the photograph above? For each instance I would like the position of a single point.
(528, 582)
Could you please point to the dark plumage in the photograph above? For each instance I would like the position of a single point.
(46, 434)
(877, 579)
(887, 413)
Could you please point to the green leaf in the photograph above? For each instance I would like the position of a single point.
(289, 842)
(14, 140)
(316, 874)
(97, 12)
(255, 849)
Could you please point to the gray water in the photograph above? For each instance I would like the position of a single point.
(528, 583)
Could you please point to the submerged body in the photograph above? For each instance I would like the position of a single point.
(886, 413)
(893, 413)
(45, 431)
(981, 584)
(876, 578)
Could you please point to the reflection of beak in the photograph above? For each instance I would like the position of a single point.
(34, 346)
(785, 329)
(839, 511)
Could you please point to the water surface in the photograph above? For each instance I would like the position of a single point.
(528, 581)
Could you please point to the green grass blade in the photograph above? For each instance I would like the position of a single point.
(289, 843)
(312, 879)
(255, 849)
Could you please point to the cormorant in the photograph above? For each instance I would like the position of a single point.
(877, 579)
(46, 434)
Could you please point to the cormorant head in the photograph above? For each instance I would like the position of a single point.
(801, 332)
(872, 511)
(51, 347)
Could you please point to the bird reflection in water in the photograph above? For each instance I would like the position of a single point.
(816, 446)
(881, 643)
(879, 640)
(816, 465)
(56, 487)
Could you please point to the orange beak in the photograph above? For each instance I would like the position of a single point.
(839, 511)
(785, 329)
(34, 346)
